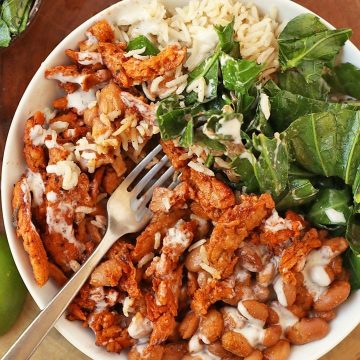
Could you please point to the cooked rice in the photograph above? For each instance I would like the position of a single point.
(145, 259)
(200, 168)
(196, 245)
(193, 26)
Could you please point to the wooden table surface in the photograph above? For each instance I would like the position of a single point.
(19, 63)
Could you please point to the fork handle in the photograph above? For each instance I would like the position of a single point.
(31, 338)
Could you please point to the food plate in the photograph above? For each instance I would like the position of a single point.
(40, 94)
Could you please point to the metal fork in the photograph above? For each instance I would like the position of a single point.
(126, 214)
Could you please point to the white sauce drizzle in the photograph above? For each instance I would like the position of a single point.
(80, 100)
(36, 186)
(279, 290)
(315, 276)
(231, 128)
(286, 317)
(276, 223)
(335, 216)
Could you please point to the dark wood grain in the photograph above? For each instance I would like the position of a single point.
(57, 18)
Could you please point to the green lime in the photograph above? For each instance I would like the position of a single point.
(12, 289)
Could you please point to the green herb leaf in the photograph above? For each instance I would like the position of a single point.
(306, 38)
(271, 168)
(345, 79)
(226, 36)
(331, 208)
(327, 143)
(143, 42)
(239, 75)
(5, 36)
(300, 192)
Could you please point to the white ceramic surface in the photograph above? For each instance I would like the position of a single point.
(39, 94)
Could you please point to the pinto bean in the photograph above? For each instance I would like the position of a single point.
(189, 325)
(211, 326)
(255, 355)
(256, 309)
(307, 330)
(273, 317)
(279, 351)
(250, 259)
(333, 297)
(272, 335)
(326, 315)
(193, 260)
(217, 349)
(236, 344)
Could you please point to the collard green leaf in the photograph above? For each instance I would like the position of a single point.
(244, 167)
(345, 79)
(201, 139)
(239, 75)
(209, 70)
(352, 262)
(271, 168)
(226, 36)
(260, 122)
(13, 12)
(296, 172)
(143, 42)
(327, 143)
(187, 138)
(356, 187)
(173, 119)
(287, 107)
(311, 70)
(331, 208)
(353, 231)
(5, 36)
(306, 38)
(296, 83)
(300, 192)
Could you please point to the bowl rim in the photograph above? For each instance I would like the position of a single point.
(6, 187)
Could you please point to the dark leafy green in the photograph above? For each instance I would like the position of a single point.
(226, 36)
(187, 138)
(296, 83)
(201, 139)
(353, 231)
(300, 192)
(244, 167)
(143, 42)
(296, 172)
(356, 187)
(260, 121)
(345, 79)
(209, 70)
(239, 75)
(271, 168)
(331, 208)
(327, 143)
(287, 107)
(306, 38)
(353, 263)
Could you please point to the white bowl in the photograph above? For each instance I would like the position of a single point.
(38, 95)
